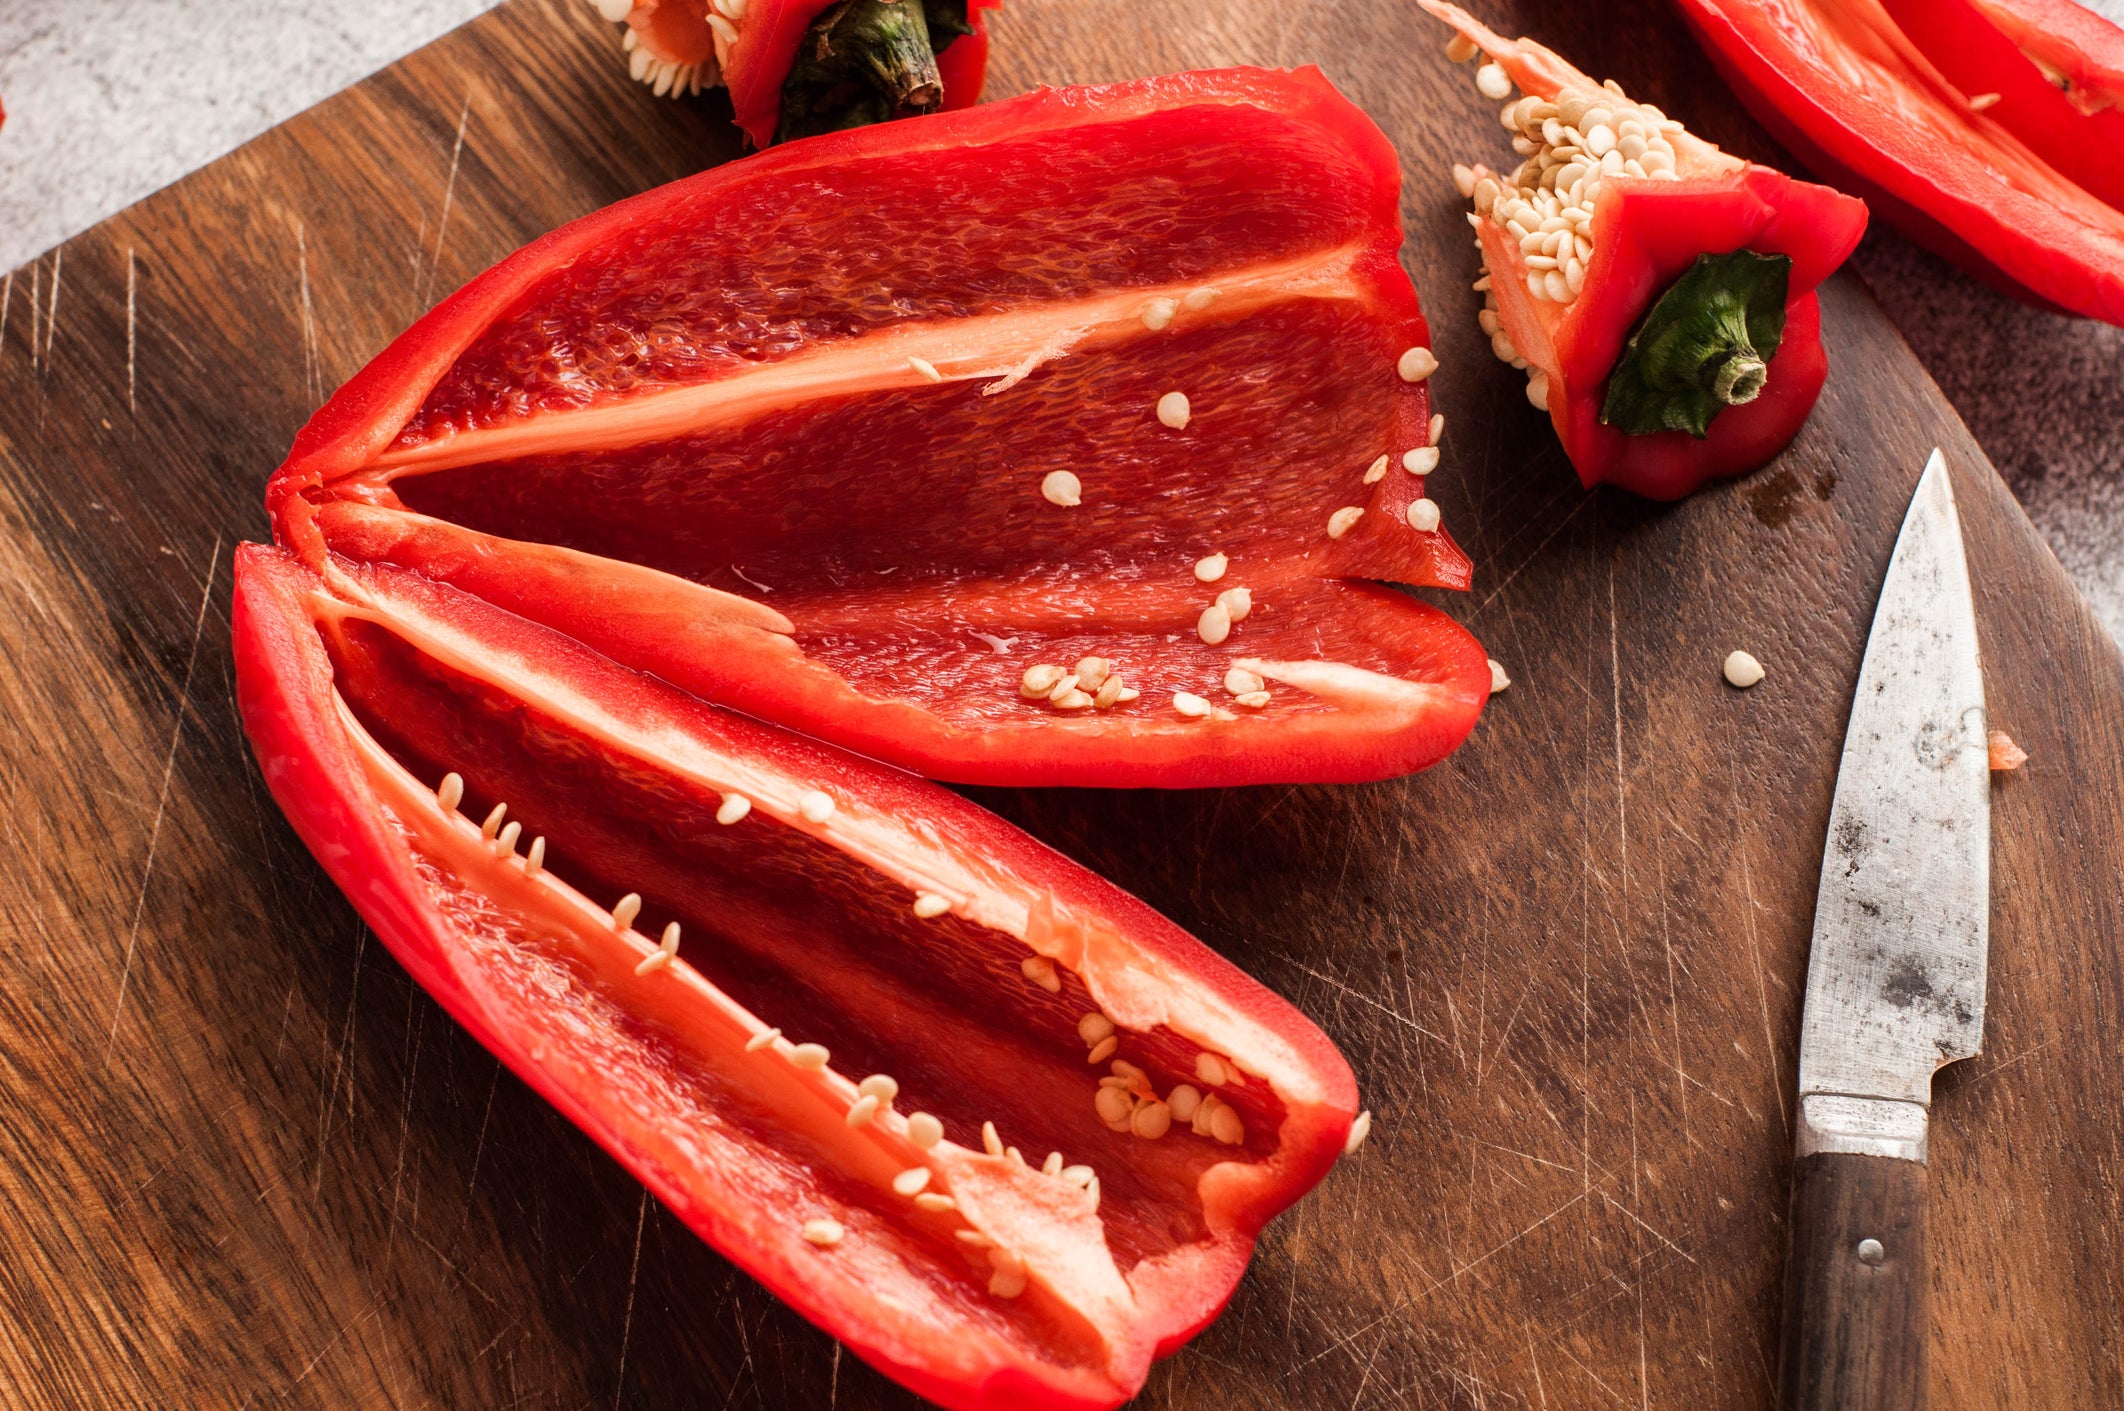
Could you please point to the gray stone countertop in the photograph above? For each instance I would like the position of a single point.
(108, 100)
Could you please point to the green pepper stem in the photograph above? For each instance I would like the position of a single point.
(1703, 346)
(1740, 378)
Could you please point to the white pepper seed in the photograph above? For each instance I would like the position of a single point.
(1421, 461)
(1152, 1120)
(1173, 410)
(1210, 1068)
(809, 1056)
(1437, 426)
(1110, 693)
(924, 1130)
(761, 1040)
(1190, 705)
(1041, 971)
(1377, 470)
(1459, 48)
(1237, 601)
(1115, 1107)
(815, 806)
(733, 808)
(1498, 679)
(1252, 700)
(1492, 82)
(1238, 681)
(1062, 487)
(882, 1086)
(1199, 299)
(1158, 313)
(1423, 516)
(1538, 390)
(1214, 625)
(1359, 1130)
(1183, 1100)
(1340, 522)
(1094, 1026)
(1463, 180)
(1742, 670)
(911, 1182)
(1091, 673)
(1209, 570)
(935, 1203)
(925, 369)
(928, 905)
(824, 1233)
(451, 792)
(1103, 1050)
(862, 1110)
(1416, 364)
(1073, 699)
(1227, 1126)
(1039, 681)
(626, 909)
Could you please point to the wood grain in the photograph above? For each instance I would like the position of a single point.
(1856, 1312)
(245, 1162)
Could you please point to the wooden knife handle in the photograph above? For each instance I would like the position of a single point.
(1855, 1286)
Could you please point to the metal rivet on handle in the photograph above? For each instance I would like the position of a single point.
(1870, 1253)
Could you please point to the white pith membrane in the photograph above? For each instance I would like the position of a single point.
(995, 352)
(1538, 225)
(1178, 1089)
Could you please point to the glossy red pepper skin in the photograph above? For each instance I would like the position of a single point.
(1971, 51)
(502, 443)
(345, 681)
(1645, 235)
(1858, 101)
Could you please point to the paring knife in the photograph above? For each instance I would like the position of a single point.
(1895, 981)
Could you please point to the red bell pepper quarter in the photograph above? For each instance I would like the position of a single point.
(1057, 441)
(1658, 292)
(698, 884)
(799, 67)
(1857, 99)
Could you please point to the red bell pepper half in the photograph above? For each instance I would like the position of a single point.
(1659, 293)
(1063, 440)
(799, 67)
(1995, 177)
(817, 1006)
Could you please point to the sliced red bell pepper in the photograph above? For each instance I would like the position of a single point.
(748, 965)
(875, 433)
(1842, 86)
(1659, 293)
(881, 58)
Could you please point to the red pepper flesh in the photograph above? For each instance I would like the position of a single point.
(389, 711)
(785, 434)
(1843, 87)
(1645, 234)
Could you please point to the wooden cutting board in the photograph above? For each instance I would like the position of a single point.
(245, 1162)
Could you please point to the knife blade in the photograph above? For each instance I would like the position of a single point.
(1895, 977)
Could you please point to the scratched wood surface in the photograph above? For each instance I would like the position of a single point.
(245, 1162)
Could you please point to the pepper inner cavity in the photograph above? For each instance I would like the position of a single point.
(812, 941)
